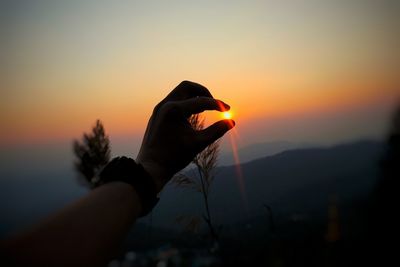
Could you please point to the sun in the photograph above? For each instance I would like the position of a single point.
(227, 115)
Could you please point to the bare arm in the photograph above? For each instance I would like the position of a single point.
(88, 232)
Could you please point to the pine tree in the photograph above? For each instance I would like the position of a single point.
(92, 154)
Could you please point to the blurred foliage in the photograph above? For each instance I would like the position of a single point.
(191, 223)
(92, 154)
(206, 163)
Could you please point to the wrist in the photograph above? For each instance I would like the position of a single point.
(155, 172)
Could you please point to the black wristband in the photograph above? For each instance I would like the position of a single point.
(126, 170)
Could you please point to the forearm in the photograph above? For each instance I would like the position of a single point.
(86, 233)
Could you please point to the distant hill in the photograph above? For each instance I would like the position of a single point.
(260, 150)
(295, 182)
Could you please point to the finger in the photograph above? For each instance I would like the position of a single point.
(186, 90)
(200, 104)
(215, 131)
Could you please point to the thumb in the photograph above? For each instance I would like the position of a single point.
(215, 131)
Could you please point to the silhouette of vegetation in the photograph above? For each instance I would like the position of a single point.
(206, 163)
(391, 161)
(191, 223)
(384, 220)
(92, 154)
(270, 217)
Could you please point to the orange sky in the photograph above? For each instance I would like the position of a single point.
(68, 64)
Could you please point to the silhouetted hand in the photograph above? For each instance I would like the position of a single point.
(170, 143)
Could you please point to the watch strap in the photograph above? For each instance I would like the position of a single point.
(126, 170)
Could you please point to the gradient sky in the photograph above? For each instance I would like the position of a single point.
(322, 71)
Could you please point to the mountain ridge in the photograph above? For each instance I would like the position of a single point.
(300, 179)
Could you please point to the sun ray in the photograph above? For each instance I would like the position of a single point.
(238, 168)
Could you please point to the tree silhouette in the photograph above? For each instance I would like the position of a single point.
(206, 163)
(92, 154)
(384, 218)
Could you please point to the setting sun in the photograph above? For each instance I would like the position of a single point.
(227, 115)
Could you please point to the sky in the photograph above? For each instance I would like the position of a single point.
(313, 71)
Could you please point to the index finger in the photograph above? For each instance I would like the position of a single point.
(186, 90)
(200, 104)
